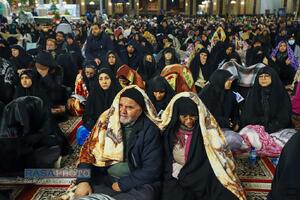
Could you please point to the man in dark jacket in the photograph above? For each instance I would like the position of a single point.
(97, 44)
(138, 176)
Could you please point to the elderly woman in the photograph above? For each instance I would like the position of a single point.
(193, 142)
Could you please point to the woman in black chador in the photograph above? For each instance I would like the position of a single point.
(267, 103)
(189, 174)
(29, 138)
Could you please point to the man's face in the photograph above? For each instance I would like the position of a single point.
(59, 37)
(50, 46)
(129, 110)
(96, 30)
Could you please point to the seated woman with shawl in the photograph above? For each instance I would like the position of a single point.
(193, 142)
(102, 93)
(128, 76)
(220, 100)
(200, 69)
(160, 93)
(267, 110)
(286, 62)
(76, 103)
(28, 136)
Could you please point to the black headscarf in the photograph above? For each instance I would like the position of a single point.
(27, 135)
(118, 63)
(162, 61)
(285, 184)
(220, 102)
(147, 69)
(196, 180)
(159, 83)
(269, 106)
(88, 81)
(254, 55)
(23, 60)
(99, 100)
(31, 91)
(196, 65)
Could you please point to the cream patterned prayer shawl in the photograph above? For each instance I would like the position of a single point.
(104, 145)
(217, 150)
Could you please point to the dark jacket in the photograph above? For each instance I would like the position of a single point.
(144, 156)
(97, 47)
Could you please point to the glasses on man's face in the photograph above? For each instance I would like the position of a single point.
(190, 117)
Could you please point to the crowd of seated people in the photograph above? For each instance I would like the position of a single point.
(165, 103)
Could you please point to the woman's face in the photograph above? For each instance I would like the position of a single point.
(148, 58)
(264, 80)
(188, 120)
(168, 56)
(89, 72)
(15, 52)
(282, 47)
(70, 41)
(229, 50)
(159, 95)
(104, 81)
(228, 84)
(203, 58)
(26, 81)
(111, 59)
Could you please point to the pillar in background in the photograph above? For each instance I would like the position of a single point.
(164, 4)
(220, 7)
(136, 6)
(254, 7)
(194, 7)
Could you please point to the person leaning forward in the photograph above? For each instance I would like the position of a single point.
(123, 151)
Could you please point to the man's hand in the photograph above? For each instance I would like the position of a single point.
(273, 58)
(115, 187)
(287, 61)
(83, 189)
(98, 61)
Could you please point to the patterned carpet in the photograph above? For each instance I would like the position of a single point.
(256, 180)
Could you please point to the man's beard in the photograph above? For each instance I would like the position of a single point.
(126, 120)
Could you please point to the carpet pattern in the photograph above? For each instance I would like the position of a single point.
(256, 180)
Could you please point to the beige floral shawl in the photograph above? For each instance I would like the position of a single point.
(218, 153)
(104, 146)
